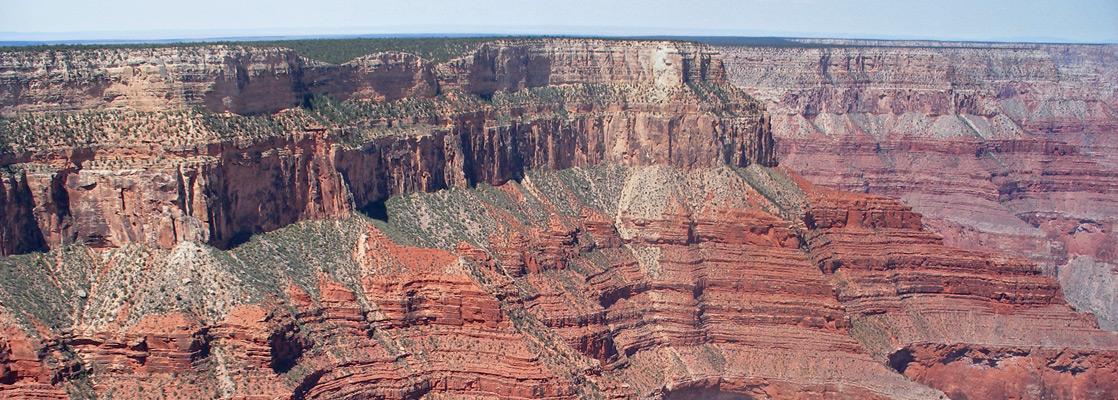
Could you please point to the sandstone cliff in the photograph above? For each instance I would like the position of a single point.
(112, 173)
(1011, 148)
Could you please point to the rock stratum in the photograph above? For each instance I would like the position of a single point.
(545, 218)
(105, 172)
(1010, 147)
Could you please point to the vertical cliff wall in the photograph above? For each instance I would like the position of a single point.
(105, 174)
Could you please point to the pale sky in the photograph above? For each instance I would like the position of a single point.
(998, 20)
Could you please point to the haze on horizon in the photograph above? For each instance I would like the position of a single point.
(1082, 21)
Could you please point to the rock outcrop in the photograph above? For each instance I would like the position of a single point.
(111, 178)
(1010, 148)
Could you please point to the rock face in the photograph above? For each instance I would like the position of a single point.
(220, 78)
(1010, 148)
(695, 291)
(249, 80)
(553, 219)
(604, 282)
(904, 291)
(126, 183)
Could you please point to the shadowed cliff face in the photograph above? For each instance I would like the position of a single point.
(1011, 149)
(159, 178)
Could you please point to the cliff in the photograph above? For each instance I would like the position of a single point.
(544, 218)
(1006, 148)
(110, 172)
(252, 80)
(602, 282)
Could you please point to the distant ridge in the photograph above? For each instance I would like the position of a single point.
(749, 41)
(777, 41)
(235, 38)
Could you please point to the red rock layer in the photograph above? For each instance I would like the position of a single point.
(1010, 148)
(972, 324)
(702, 295)
(428, 329)
(226, 191)
(24, 373)
(161, 356)
(695, 290)
(642, 282)
(158, 344)
(418, 324)
(211, 188)
(978, 372)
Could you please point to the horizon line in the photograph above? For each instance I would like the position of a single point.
(10, 38)
(216, 40)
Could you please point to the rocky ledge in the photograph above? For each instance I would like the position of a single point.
(109, 173)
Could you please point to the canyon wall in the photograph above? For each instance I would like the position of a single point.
(600, 282)
(556, 219)
(250, 80)
(1011, 147)
(163, 177)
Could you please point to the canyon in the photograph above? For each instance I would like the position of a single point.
(1006, 147)
(555, 218)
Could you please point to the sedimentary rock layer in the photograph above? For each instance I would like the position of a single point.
(247, 80)
(917, 303)
(552, 219)
(109, 178)
(604, 282)
(1010, 148)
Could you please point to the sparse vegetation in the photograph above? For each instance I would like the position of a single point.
(45, 287)
(352, 122)
(335, 51)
